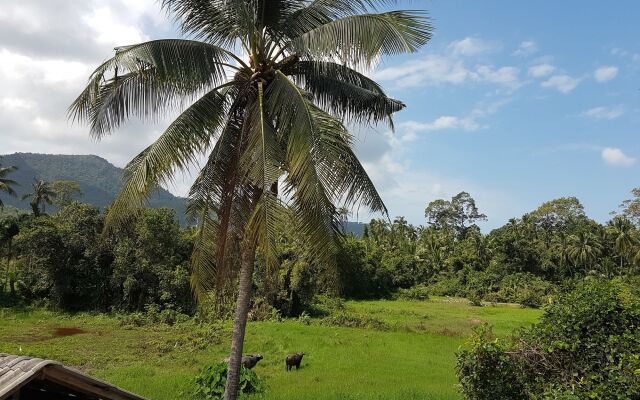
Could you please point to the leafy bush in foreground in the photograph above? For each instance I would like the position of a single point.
(210, 382)
(586, 346)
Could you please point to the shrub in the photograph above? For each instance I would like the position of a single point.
(486, 371)
(326, 305)
(263, 311)
(586, 345)
(305, 318)
(418, 292)
(210, 382)
(475, 299)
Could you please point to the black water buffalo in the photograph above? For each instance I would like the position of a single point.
(294, 360)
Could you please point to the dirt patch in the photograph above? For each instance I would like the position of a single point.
(475, 321)
(62, 332)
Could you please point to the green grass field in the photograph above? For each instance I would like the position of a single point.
(413, 358)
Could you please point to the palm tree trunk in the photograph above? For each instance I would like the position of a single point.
(240, 321)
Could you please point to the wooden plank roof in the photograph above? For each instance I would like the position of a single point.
(17, 372)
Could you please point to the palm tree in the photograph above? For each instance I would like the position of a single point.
(270, 84)
(9, 228)
(562, 250)
(343, 216)
(42, 195)
(6, 183)
(622, 232)
(584, 249)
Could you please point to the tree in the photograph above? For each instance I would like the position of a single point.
(631, 207)
(9, 228)
(458, 215)
(42, 195)
(624, 238)
(584, 249)
(555, 216)
(6, 183)
(272, 126)
(65, 191)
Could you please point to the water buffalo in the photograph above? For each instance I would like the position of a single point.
(294, 360)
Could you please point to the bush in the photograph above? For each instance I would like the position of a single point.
(418, 292)
(586, 345)
(153, 315)
(475, 299)
(486, 371)
(263, 311)
(326, 305)
(210, 382)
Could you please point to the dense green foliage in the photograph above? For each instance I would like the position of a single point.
(210, 382)
(65, 260)
(586, 346)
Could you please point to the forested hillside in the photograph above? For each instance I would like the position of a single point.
(99, 180)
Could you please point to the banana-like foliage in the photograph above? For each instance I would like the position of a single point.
(264, 88)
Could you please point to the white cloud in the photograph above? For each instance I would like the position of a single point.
(540, 70)
(445, 122)
(605, 74)
(508, 76)
(616, 157)
(470, 46)
(526, 48)
(16, 103)
(430, 70)
(562, 83)
(450, 67)
(604, 112)
(47, 51)
(109, 28)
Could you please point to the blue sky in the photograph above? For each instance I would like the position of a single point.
(515, 102)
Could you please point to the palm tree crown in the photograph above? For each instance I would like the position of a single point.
(42, 195)
(273, 127)
(6, 184)
(269, 86)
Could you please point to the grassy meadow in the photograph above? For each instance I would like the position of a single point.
(411, 355)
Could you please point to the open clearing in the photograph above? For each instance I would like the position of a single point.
(413, 358)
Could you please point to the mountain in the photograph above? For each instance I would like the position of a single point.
(99, 180)
(355, 228)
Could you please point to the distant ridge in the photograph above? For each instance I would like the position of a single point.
(99, 180)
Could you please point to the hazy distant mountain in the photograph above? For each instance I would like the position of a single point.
(99, 180)
(355, 228)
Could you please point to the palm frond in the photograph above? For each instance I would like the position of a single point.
(214, 21)
(262, 164)
(313, 211)
(359, 40)
(176, 149)
(345, 92)
(222, 206)
(144, 79)
(320, 12)
(339, 168)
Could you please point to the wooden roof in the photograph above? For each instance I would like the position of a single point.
(49, 379)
